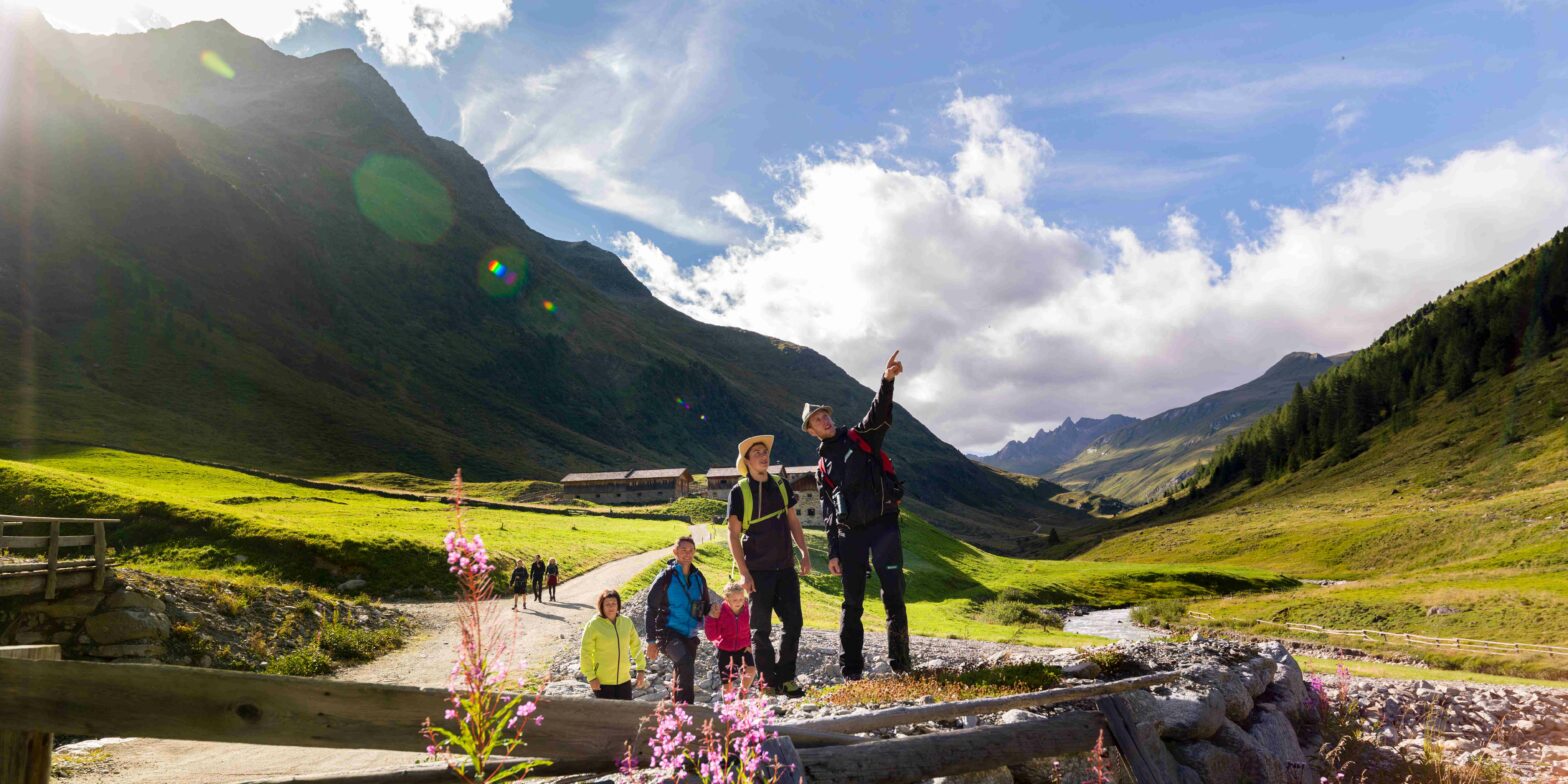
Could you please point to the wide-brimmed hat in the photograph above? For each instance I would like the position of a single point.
(810, 411)
(744, 447)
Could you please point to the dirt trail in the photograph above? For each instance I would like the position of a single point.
(425, 661)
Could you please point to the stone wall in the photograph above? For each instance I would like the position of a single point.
(115, 624)
(146, 618)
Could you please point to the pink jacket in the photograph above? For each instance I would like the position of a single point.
(729, 631)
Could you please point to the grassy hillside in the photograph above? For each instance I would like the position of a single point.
(282, 270)
(949, 581)
(1140, 461)
(186, 519)
(1454, 525)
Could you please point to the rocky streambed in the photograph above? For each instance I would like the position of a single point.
(1523, 729)
(1241, 711)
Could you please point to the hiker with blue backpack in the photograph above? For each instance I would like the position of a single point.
(678, 601)
(762, 522)
(860, 500)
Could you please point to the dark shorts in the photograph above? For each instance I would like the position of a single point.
(729, 660)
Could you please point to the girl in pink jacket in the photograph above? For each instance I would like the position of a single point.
(728, 627)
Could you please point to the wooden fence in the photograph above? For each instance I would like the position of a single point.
(93, 699)
(1396, 638)
(51, 574)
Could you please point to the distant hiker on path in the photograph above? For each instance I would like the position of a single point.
(762, 522)
(860, 499)
(677, 603)
(610, 643)
(536, 573)
(519, 584)
(552, 577)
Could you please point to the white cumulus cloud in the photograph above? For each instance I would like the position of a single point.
(404, 32)
(1008, 322)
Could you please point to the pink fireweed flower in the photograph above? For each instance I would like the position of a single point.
(487, 719)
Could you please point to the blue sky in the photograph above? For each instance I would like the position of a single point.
(1148, 108)
(1055, 209)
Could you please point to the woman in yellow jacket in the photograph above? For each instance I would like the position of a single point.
(610, 642)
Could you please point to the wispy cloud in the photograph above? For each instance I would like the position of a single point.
(607, 122)
(1088, 175)
(1343, 116)
(403, 32)
(1222, 95)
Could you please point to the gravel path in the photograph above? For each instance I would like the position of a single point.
(425, 661)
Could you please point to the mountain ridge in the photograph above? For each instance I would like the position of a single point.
(1138, 462)
(1046, 450)
(206, 278)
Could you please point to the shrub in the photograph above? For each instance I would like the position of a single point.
(230, 604)
(943, 685)
(1160, 612)
(1113, 662)
(307, 661)
(1015, 612)
(349, 643)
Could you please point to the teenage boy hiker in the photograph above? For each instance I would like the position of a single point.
(860, 499)
(677, 603)
(762, 522)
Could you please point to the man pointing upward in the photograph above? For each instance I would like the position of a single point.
(860, 499)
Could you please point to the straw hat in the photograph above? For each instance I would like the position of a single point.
(745, 446)
(810, 411)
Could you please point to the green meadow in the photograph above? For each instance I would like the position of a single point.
(191, 520)
(1453, 524)
(949, 582)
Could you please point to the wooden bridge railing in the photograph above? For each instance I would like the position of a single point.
(578, 735)
(51, 574)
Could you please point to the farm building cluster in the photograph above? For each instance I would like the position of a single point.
(663, 485)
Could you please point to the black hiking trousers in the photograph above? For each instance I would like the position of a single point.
(778, 591)
(538, 589)
(878, 546)
(620, 691)
(683, 656)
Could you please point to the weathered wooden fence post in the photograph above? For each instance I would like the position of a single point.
(25, 756)
(52, 581)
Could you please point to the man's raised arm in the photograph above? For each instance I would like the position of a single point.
(877, 421)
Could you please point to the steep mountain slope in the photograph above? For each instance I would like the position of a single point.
(218, 251)
(1043, 452)
(1139, 462)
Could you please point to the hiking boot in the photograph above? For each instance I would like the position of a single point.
(792, 690)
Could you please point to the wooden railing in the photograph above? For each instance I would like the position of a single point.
(577, 735)
(1420, 640)
(49, 575)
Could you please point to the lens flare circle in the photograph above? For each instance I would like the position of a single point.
(502, 272)
(399, 197)
(213, 62)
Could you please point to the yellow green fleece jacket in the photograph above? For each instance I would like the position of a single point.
(607, 647)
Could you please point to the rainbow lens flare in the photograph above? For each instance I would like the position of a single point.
(549, 306)
(503, 271)
(214, 63)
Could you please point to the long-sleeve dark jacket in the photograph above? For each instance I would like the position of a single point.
(536, 571)
(669, 603)
(835, 453)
